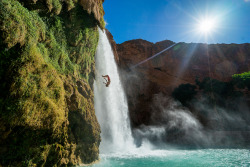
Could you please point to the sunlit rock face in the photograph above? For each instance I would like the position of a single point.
(186, 61)
(181, 64)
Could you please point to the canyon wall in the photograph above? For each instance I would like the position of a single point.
(182, 64)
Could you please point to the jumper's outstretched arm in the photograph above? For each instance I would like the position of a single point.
(105, 77)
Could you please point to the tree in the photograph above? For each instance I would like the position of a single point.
(184, 93)
(242, 80)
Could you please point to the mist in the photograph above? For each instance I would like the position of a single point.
(174, 126)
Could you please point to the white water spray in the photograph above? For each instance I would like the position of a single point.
(110, 102)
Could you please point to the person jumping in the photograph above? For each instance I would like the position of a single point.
(107, 79)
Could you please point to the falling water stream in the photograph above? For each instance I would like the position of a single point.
(110, 102)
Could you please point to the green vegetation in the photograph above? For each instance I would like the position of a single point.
(46, 70)
(184, 93)
(242, 80)
(223, 89)
(20, 25)
(216, 92)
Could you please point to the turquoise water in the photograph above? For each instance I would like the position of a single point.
(180, 158)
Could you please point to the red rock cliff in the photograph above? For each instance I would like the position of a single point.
(178, 65)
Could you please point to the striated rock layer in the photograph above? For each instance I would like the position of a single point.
(47, 67)
(181, 64)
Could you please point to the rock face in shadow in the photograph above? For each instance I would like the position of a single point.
(181, 64)
(113, 45)
(94, 7)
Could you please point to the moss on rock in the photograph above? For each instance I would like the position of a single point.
(46, 74)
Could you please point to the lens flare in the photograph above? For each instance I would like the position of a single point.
(206, 26)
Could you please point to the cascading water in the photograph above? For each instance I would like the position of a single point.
(110, 102)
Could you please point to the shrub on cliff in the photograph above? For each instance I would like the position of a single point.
(242, 80)
(224, 89)
(218, 92)
(184, 93)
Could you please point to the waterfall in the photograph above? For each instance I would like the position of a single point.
(110, 102)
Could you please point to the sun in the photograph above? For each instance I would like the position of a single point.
(206, 26)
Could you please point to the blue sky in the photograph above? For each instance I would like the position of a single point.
(177, 20)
